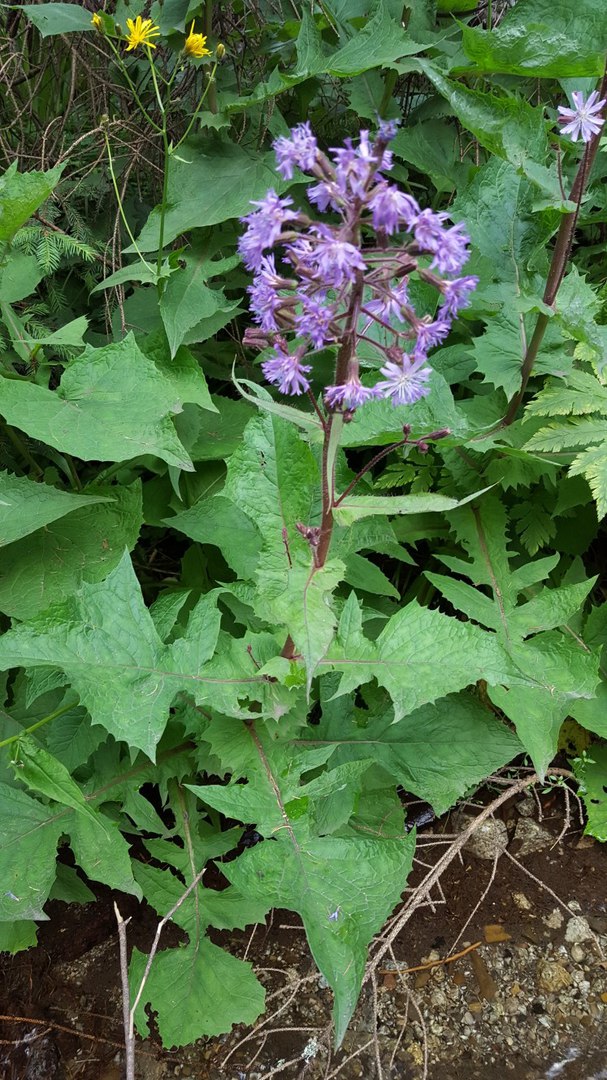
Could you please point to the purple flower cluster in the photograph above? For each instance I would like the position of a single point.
(336, 279)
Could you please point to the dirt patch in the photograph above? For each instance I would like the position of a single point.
(526, 997)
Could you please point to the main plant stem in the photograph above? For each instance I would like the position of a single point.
(558, 266)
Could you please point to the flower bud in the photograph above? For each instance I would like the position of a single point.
(220, 51)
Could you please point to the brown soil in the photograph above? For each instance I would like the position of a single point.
(530, 1006)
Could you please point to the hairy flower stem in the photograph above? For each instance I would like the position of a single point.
(558, 266)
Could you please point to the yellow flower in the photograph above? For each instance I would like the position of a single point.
(141, 31)
(97, 22)
(195, 45)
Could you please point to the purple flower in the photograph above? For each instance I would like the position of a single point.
(315, 321)
(391, 208)
(451, 253)
(456, 294)
(264, 226)
(300, 149)
(387, 129)
(429, 229)
(389, 303)
(430, 334)
(265, 299)
(405, 383)
(352, 394)
(326, 194)
(584, 120)
(332, 261)
(286, 371)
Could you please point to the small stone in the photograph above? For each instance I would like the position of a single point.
(554, 920)
(552, 977)
(577, 953)
(416, 1053)
(526, 806)
(531, 836)
(468, 1019)
(486, 842)
(494, 933)
(574, 906)
(521, 901)
(578, 930)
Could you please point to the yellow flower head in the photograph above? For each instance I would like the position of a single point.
(195, 45)
(97, 22)
(141, 31)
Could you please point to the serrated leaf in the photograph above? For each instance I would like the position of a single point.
(28, 845)
(22, 193)
(437, 753)
(197, 990)
(123, 673)
(81, 417)
(354, 507)
(83, 546)
(26, 506)
(45, 775)
(381, 41)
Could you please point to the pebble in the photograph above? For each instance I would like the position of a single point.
(521, 901)
(555, 919)
(531, 836)
(468, 1019)
(578, 930)
(577, 953)
(488, 841)
(552, 976)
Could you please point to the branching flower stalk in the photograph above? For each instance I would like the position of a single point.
(346, 280)
(585, 120)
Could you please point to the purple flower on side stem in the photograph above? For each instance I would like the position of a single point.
(451, 252)
(391, 208)
(301, 150)
(430, 334)
(350, 394)
(585, 119)
(286, 371)
(264, 226)
(265, 298)
(388, 302)
(315, 321)
(456, 294)
(404, 383)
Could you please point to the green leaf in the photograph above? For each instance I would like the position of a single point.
(592, 713)
(354, 507)
(186, 300)
(379, 423)
(28, 845)
(22, 193)
(343, 889)
(467, 744)
(381, 41)
(19, 277)
(508, 127)
(537, 715)
(213, 438)
(52, 19)
(82, 416)
(47, 776)
(16, 936)
(123, 673)
(172, 16)
(593, 789)
(419, 656)
(102, 852)
(85, 545)
(229, 178)
(222, 523)
(498, 353)
(181, 370)
(196, 990)
(70, 888)
(26, 506)
(544, 39)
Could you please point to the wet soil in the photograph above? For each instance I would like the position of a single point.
(527, 999)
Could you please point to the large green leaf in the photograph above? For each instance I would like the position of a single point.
(22, 193)
(104, 638)
(355, 507)
(19, 276)
(592, 775)
(52, 19)
(343, 888)
(437, 752)
(26, 506)
(549, 39)
(112, 404)
(381, 41)
(209, 182)
(187, 299)
(506, 126)
(85, 545)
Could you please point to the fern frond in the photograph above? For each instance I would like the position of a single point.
(581, 394)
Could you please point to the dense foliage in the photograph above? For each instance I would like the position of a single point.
(302, 492)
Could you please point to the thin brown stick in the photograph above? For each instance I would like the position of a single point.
(431, 963)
